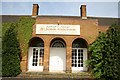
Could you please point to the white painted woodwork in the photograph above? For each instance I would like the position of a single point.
(57, 62)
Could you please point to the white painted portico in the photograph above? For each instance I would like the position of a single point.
(57, 56)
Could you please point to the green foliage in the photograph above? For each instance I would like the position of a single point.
(5, 27)
(0, 49)
(24, 29)
(15, 41)
(10, 52)
(0, 56)
(97, 49)
(105, 54)
(24, 32)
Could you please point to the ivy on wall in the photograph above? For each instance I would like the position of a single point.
(24, 29)
(105, 54)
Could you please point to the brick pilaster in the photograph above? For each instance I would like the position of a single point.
(46, 57)
(68, 58)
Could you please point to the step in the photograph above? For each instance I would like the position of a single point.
(52, 76)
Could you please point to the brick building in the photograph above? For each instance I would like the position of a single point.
(60, 43)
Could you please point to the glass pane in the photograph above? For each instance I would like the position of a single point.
(81, 54)
(79, 43)
(35, 64)
(81, 65)
(75, 65)
(81, 57)
(33, 53)
(81, 51)
(78, 54)
(41, 57)
(35, 57)
(78, 57)
(78, 61)
(58, 43)
(32, 64)
(75, 58)
(34, 49)
(72, 65)
(33, 60)
(36, 42)
(78, 65)
(81, 61)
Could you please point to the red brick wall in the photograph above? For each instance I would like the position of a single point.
(89, 31)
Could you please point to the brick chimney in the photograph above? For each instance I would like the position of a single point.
(35, 10)
(83, 11)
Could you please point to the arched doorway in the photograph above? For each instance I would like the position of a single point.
(57, 62)
(36, 54)
(79, 55)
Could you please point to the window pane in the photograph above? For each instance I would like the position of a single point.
(41, 57)
(77, 57)
(78, 65)
(81, 65)
(75, 65)
(81, 57)
(58, 43)
(81, 51)
(35, 57)
(81, 54)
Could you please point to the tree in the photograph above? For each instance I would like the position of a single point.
(10, 53)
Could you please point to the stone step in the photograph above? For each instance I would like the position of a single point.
(52, 76)
(47, 79)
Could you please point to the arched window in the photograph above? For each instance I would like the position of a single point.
(57, 43)
(36, 54)
(36, 42)
(79, 43)
(79, 54)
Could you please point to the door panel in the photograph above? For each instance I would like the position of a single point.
(57, 60)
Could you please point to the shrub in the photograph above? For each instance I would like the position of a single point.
(105, 54)
(15, 44)
(97, 53)
(10, 52)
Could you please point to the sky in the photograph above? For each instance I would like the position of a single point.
(64, 8)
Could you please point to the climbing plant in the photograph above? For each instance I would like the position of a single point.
(24, 29)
